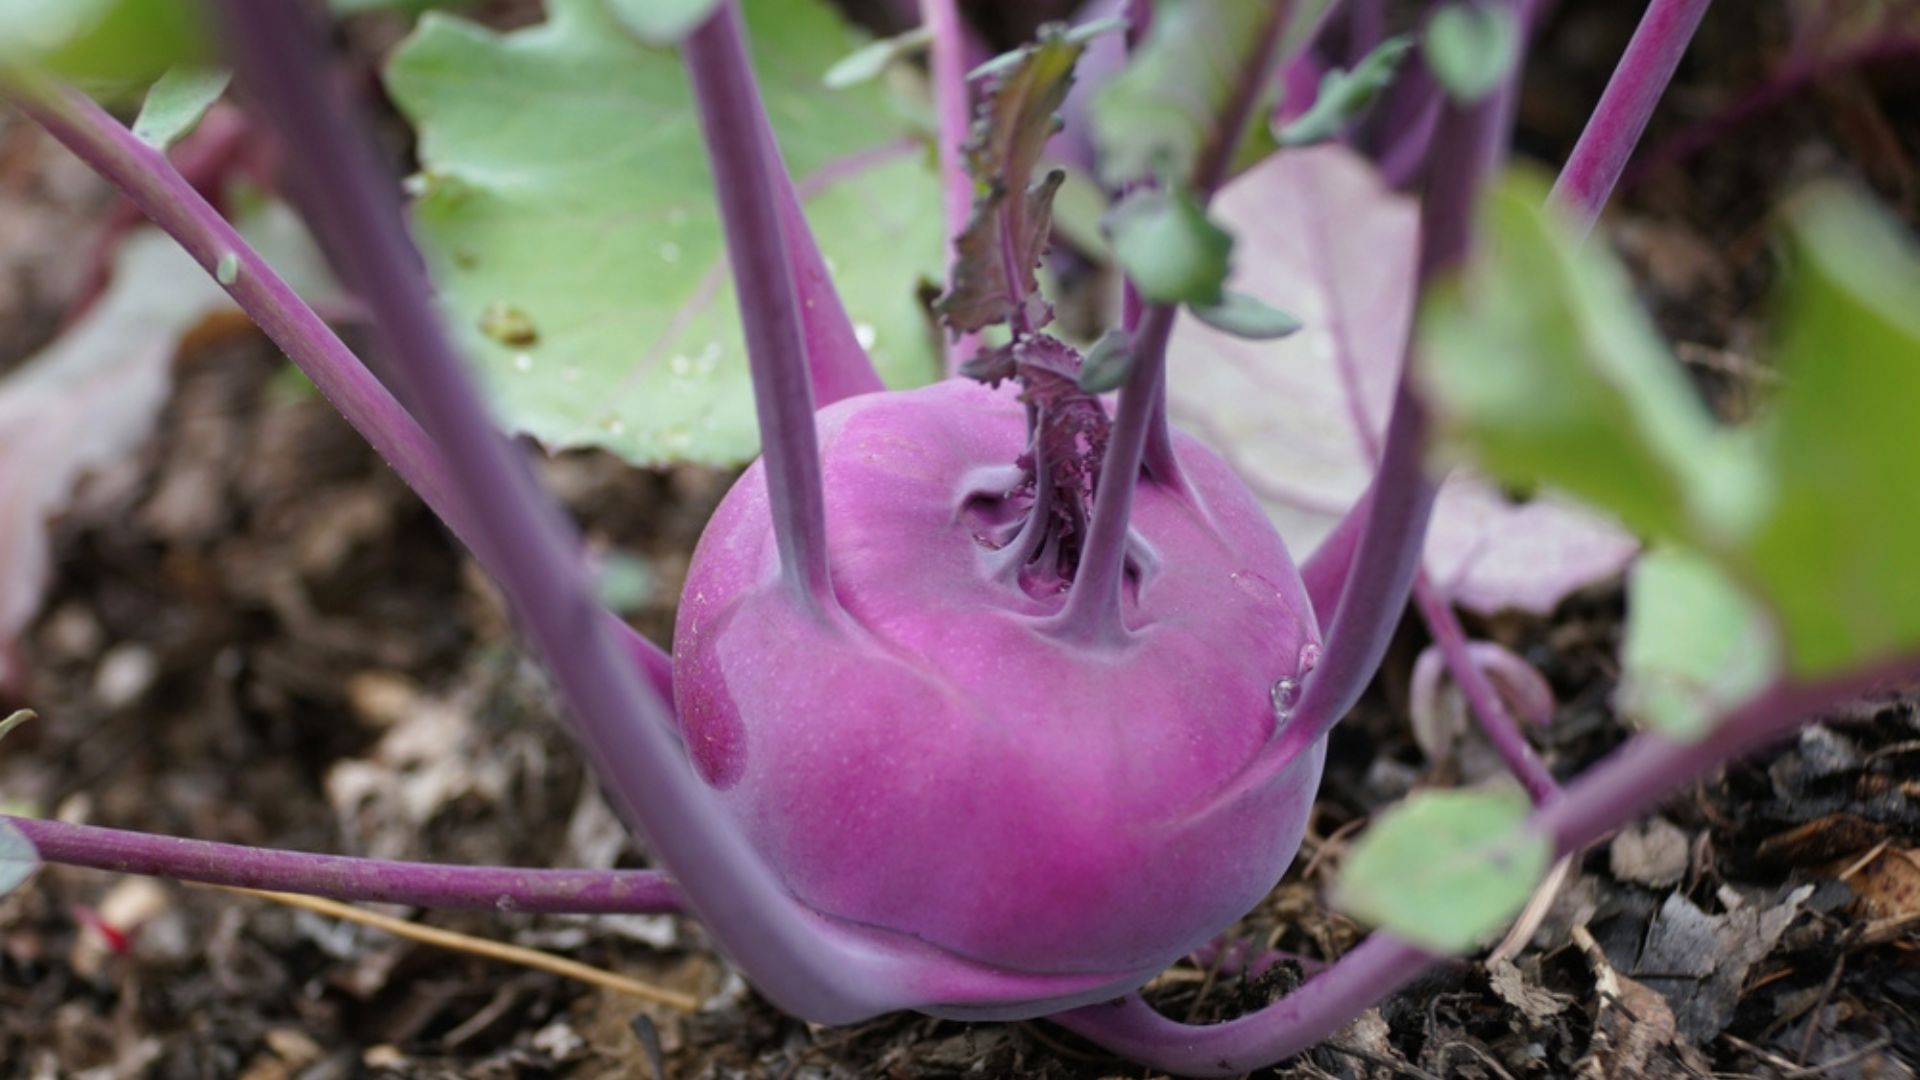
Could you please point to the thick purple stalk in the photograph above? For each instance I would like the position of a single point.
(747, 178)
(151, 182)
(1092, 611)
(953, 111)
(1621, 117)
(1496, 721)
(1471, 141)
(1628, 784)
(433, 885)
(623, 726)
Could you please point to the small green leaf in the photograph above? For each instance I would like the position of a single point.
(661, 22)
(1244, 316)
(563, 177)
(869, 60)
(1107, 363)
(1445, 869)
(1171, 250)
(19, 716)
(176, 103)
(1344, 95)
(1544, 366)
(1471, 47)
(18, 859)
(109, 47)
(1838, 553)
(1696, 645)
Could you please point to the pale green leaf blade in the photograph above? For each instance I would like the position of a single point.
(1108, 363)
(1344, 95)
(1838, 555)
(108, 47)
(14, 720)
(661, 22)
(18, 859)
(869, 60)
(1696, 645)
(176, 103)
(1543, 365)
(1157, 114)
(1445, 869)
(1470, 47)
(1246, 317)
(1170, 249)
(564, 180)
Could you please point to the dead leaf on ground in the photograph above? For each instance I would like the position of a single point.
(1653, 852)
(1700, 961)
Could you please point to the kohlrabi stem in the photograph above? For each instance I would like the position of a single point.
(1628, 784)
(953, 112)
(1470, 142)
(1621, 117)
(622, 725)
(151, 182)
(747, 178)
(1483, 698)
(1092, 611)
(417, 884)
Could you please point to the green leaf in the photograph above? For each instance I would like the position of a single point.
(1155, 116)
(1244, 316)
(18, 717)
(18, 859)
(1445, 869)
(176, 103)
(1107, 363)
(661, 22)
(1171, 250)
(1344, 95)
(1471, 47)
(1696, 645)
(1012, 216)
(869, 60)
(1545, 368)
(1838, 553)
(564, 178)
(109, 47)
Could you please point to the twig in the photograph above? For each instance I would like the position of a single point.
(478, 946)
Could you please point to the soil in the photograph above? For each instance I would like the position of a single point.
(255, 634)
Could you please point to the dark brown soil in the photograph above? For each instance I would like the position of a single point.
(257, 635)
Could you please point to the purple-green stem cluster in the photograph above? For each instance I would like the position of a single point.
(473, 479)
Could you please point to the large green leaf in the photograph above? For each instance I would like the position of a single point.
(567, 211)
(1548, 371)
(110, 47)
(1696, 645)
(1839, 553)
(1445, 869)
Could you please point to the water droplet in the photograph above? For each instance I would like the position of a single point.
(669, 251)
(710, 355)
(523, 362)
(227, 270)
(613, 425)
(677, 216)
(506, 903)
(570, 374)
(864, 334)
(1309, 657)
(680, 365)
(1285, 695)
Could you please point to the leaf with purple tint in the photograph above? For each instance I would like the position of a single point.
(1327, 241)
(997, 254)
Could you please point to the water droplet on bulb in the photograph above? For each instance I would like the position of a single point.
(1285, 695)
(1309, 657)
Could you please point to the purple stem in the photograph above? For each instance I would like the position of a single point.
(158, 189)
(747, 180)
(1797, 76)
(1628, 102)
(953, 110)
(417, 884)
(1627, 785)
(1482, 697)
(1092, 611)
(621, 723)
(1471, 141)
